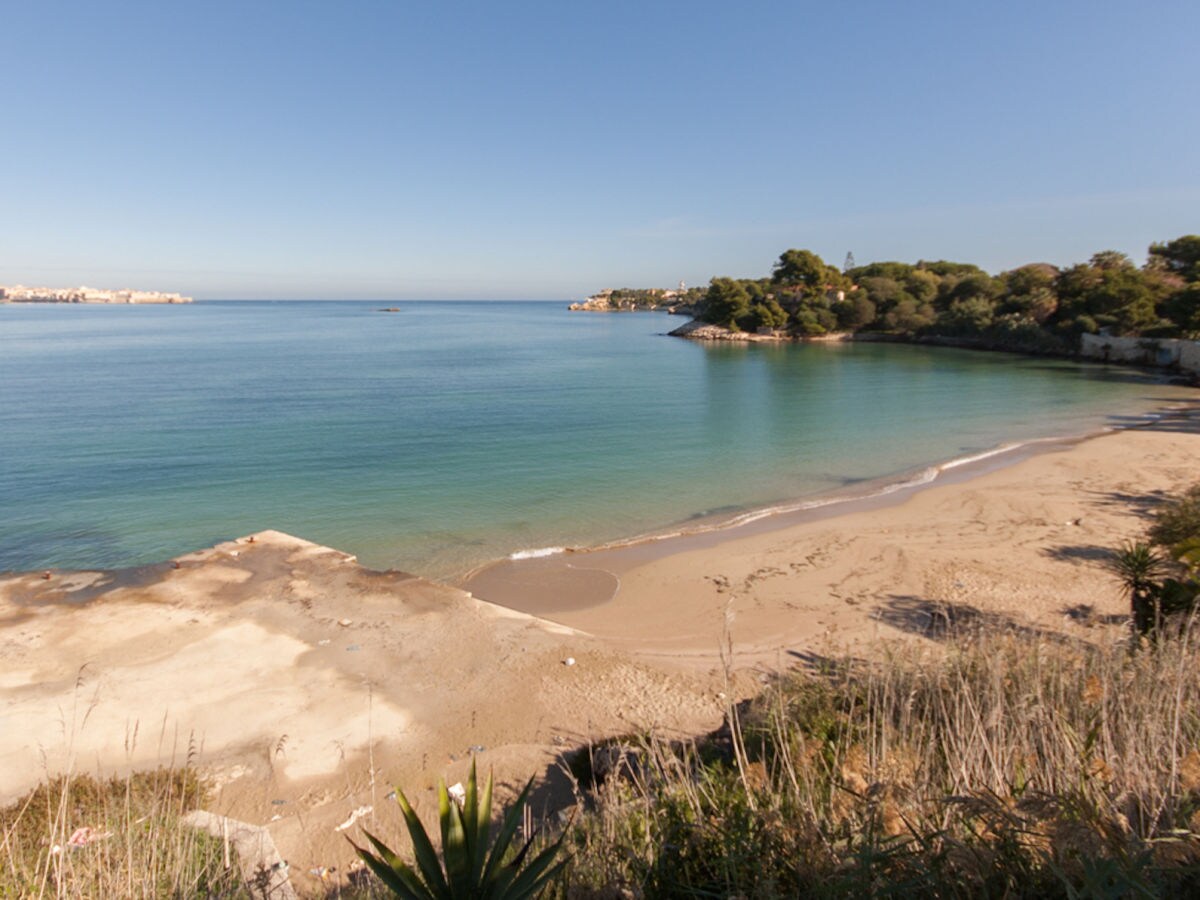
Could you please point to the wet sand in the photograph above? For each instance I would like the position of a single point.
(841, 572)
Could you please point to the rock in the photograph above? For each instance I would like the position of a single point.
(696, 330)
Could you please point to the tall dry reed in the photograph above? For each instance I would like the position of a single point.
(77, 836)
(995, 764)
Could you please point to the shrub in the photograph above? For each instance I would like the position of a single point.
(1179, 520)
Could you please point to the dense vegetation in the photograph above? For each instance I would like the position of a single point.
(1036, 307)
(1162, 573)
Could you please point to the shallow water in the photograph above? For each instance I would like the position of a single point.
(447, 434)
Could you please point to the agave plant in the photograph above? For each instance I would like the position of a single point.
(468, 866)
(1139, 566)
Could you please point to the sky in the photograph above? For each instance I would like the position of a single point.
(384, 149)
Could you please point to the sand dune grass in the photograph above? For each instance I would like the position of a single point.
(995, 765)
(78, 836)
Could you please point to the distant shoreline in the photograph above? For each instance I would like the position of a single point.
(1161, 355)
(19, 293)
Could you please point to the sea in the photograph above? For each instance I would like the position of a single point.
(443, 435)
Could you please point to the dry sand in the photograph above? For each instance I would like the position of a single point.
(306, 685)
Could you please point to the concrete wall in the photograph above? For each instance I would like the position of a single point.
(1163, 352)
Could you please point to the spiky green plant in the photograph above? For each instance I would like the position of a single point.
(1139, 566)
(468, 866)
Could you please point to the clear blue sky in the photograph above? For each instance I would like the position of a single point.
(390, 149)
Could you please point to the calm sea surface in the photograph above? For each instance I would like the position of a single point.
(448, 434)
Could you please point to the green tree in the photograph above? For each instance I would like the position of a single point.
(1107, 260)
(1123, 300)
(897, 271)
(1029, 292)
(944, 268)
(908, 316)
(883, 291)
(968, 286)
(921, 285)
(726, 302)
(1181, 256)
(1029, 278)
(766, 313)
(814, 320)
(965, 317)
(801, 268)
(1118, 297)
(1183, 308)
(1037, 306)
(855, 312)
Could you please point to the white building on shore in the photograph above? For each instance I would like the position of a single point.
(19, 293)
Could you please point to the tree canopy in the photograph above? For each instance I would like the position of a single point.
(1036, 306)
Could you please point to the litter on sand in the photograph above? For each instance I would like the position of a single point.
(355, 816)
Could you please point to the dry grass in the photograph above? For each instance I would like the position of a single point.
(1003, 765)
(136, 846)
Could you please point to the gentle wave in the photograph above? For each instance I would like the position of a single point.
(923, 477)
(537, 553)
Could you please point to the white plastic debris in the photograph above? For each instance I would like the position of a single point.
(355, 816)
(569, 661)
(457, 793)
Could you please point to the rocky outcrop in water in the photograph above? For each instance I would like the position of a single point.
(697, 330)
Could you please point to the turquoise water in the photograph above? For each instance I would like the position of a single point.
(445, 435)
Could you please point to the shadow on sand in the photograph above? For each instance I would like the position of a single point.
(939, 620)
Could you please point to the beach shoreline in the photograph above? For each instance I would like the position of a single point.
(673, 599)
(536, 580)
(303, 683)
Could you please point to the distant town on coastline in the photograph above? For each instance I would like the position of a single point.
(19, 293)
(1037, 307)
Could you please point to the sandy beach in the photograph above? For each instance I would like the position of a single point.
(1015, 539)
(305, 685)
